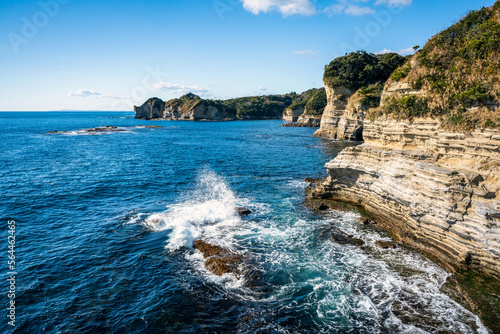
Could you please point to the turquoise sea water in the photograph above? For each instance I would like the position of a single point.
(105, 225)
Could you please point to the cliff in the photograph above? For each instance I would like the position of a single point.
(429, 166)
(353, 84)
(191, 107)
(436, 190)
(307, 109)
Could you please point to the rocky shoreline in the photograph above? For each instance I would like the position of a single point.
(477, 292)
(299, 125)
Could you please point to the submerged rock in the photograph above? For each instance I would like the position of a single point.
(219, 260)
(104, 129)
(107, 128)
(241, 211)
(149, 126)
(385, 244)
(342, 238)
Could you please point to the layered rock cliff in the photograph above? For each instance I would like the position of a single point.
(189, 107)
(429, 166)
(436, 190)
(307, 109)
(353, 84)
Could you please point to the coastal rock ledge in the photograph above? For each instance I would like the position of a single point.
(436, 190)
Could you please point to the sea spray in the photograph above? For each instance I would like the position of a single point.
(204, 212)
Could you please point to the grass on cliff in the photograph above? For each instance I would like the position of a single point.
(459, 71)
(317, 103)
(313, 100)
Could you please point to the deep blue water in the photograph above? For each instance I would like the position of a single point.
(105, 225)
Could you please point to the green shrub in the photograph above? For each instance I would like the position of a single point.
(316, 103)
(370, 96)
(401, 73)
(408, 106)
(361, 69)
(476, 94)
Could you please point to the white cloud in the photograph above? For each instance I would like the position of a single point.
(357, 11)
(262, 89)
(394, 3)
(307, 54)
(342, 7)
(285, 7)
(91, 93)
(402, 52)
(85, 93)
(178, 89)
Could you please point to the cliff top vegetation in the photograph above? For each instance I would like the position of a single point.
(458, 71)
(361, 69)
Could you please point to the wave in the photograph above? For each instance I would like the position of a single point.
(207, 211)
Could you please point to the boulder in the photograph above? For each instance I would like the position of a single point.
(219, 260)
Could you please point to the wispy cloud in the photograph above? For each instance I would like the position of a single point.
(262, 89)
(357, 10)
(308, 7)
(179, 89)
(344, 7)
(402, 52)
(307, 54)
(88, 93)
(285, 7)
(394, 3)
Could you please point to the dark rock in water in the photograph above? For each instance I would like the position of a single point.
(343, 238)
(107, 128)
(149, 126)
(365, 221)
(241, 211)
(219, 260)
(300, 125)
(385, 244)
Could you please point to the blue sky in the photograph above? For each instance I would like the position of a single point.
(112, 54)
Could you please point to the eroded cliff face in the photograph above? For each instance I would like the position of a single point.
(189, 108)
(201, 111)
(301, 117)
(436, 190)
(309, 120)
(292, 114)
(343, 116)
(152, 108)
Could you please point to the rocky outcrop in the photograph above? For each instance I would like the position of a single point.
(436, 190)
(188, 108)
(152, 108)
(307, 109)
(104, 130)
(292, 114)
(343, 116)
(306, 120)
(219, 261)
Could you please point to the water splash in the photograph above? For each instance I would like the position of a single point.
(206, 211)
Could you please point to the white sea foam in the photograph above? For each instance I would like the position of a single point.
(208, 212)
(379, 291)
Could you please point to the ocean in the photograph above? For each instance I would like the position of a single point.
(104, 226)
